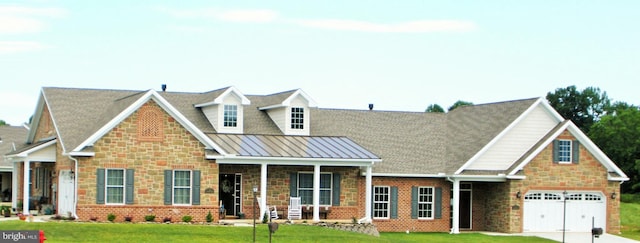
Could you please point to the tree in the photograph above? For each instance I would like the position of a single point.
(617, 135)
(3, 123)
(583, 108)
(459, 103)
(435, 108)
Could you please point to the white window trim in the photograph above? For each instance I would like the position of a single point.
(560, 161)
(330, 189)
(433, 198)
(107, 186)
(224, 115)
(174, 187)
(301, 123)
(388, 202)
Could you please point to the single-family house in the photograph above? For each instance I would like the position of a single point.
(507, 166)
(11, 138)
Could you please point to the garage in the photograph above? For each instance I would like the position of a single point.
(544, 211)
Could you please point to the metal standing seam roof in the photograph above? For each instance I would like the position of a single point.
(292, 146)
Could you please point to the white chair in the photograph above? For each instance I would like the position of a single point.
(274, 213)
(295, 208)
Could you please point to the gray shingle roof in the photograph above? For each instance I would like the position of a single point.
(9, 136)
(407, 142)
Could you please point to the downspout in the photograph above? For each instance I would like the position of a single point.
(75, 186)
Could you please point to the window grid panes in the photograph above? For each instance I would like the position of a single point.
(564, 151)
(182, 187)
(230, 115)
(305, 188)
(425, 202)
(297, 118)
(381, 200)
(114, 186)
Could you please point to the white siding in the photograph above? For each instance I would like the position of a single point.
(282, 117)
(279, 115)
(215, 115)
(516, 142)
(211, 112)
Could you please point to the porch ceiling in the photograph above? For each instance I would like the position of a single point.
(291, 146)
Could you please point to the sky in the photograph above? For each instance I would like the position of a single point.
(398, 55)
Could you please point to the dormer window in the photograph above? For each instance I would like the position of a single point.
(297, 118)
(230, 116)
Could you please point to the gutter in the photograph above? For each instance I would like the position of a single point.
(75, 187)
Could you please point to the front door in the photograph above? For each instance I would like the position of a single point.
(65, 192)
(465, 209)
(230, 193)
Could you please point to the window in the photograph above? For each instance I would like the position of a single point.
(230, 116)
(381, 202)
(114, 186)
(305, 188)
(564, 151)
(297, 118)
(425, 202)
(182, 187)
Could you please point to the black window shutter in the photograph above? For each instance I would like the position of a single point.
(195, 190)
(556, 150)
(293, 184)
(168, 182)
(100, 186)
(576, 151)
(438, 203)
(394, 202)
(129, 187)
(336, 189)
(414, 202)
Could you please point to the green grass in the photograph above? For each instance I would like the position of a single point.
(123, 232)
(630, 220)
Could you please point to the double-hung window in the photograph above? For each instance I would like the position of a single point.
(230, 116)
(305, 188)
(297, 118)
(425, 202)
(381, 202)
(564, 151)
(182, 187)
(114, 186)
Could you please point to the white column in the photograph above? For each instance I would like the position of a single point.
(14, 186)
(26, 187)
(316, 193)
(455, 228)
(263, 190)
(368, 192)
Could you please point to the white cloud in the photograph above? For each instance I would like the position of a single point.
(404, 27)
(240, 15)
(7, 47)
(18, 20)
(188, 28)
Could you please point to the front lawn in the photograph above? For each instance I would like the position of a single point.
(126, 232)
(630, 220)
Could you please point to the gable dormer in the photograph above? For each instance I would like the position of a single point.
(290, 112)
(225, 111)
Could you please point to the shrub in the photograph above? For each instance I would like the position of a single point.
(209, 217)
(149, 218)
(187, 218)
(630, 198)
(265, 218)
(111, 217)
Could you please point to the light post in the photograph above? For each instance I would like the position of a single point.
(564, 213)
(255, 190)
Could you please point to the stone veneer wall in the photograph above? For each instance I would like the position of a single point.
(542, 174)
(278, 191)
(404, 221)
(120, 148)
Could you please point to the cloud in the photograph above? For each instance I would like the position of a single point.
(19, 20)
(404, 27)
(241, 15)
(7, 47)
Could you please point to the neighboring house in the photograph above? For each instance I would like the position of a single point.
(11, 139)
(494, 167)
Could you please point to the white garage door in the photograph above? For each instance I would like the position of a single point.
(544, 211)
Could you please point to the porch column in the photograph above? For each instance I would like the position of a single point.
(25, 187)
(455, 228)
(263, 190)
(316, 193)
(367, 197)
(14, 185)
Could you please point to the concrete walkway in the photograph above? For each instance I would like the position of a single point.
(581, 237)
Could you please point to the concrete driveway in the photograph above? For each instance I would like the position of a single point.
(581, 237)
